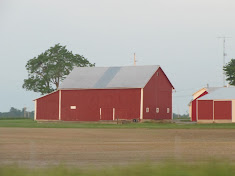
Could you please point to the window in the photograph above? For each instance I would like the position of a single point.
(73, 107)
(157, 73)
(168, 110)
(147, 109)
(157, 110)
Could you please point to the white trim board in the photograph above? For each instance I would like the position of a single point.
(59, 104)
(35, 110)
(141, 103)
(113, 113)
(233, 110)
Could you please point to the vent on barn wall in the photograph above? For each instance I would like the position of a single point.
(168, 110)
(147, 109)
(73, 107)
(157, 110)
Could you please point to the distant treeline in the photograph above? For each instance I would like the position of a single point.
(14, 112)
(175, 116)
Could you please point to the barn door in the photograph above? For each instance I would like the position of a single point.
(106, 113)
(222, 110)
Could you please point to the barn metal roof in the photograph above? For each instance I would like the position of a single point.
(109, 77)
(223, 93)
(212, 89)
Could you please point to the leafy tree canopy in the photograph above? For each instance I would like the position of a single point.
(229, 69)
(46, 71)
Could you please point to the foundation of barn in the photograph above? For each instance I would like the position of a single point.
(215, 121)
(116, 121)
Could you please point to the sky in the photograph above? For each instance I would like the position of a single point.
(179, 35)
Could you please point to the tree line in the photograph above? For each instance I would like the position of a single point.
(14, 112)
(181, 116)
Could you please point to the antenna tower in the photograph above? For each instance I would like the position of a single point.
(224, 55)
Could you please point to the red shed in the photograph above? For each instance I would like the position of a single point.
(109, 93)
(196, 95)
(218, 106)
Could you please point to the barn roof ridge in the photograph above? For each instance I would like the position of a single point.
(109, 77)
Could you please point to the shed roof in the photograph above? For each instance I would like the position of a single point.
(208, 89)
(223, 93)
(109, 77)
(204, 89)
(212, 89)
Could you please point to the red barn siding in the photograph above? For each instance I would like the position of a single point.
(158, 94)
(88, 103)
(222, 110)
(48, 107)
(205, 109)
(194, 106)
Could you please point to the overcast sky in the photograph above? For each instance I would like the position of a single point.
(179, 35)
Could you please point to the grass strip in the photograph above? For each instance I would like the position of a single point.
(29, 123)
(164, 169)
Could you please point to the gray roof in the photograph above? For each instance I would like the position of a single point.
(109, 77)
(223, 93)
(212, 89)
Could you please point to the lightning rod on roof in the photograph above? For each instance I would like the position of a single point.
(134, 60)
(224, 55)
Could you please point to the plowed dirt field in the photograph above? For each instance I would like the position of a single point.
(98, 147)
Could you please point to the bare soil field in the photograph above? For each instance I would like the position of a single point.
(39, 147)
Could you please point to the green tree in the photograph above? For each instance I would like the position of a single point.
(46, 71)
(229, 69)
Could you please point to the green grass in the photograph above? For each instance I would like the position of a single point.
(29, 123)
(14, 118)
(163, 169)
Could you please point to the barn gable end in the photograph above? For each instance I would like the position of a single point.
(157, 101)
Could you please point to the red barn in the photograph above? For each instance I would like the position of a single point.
(218, 106)
(109, 93)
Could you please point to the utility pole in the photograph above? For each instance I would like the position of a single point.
(224, 55)
(134, 60)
